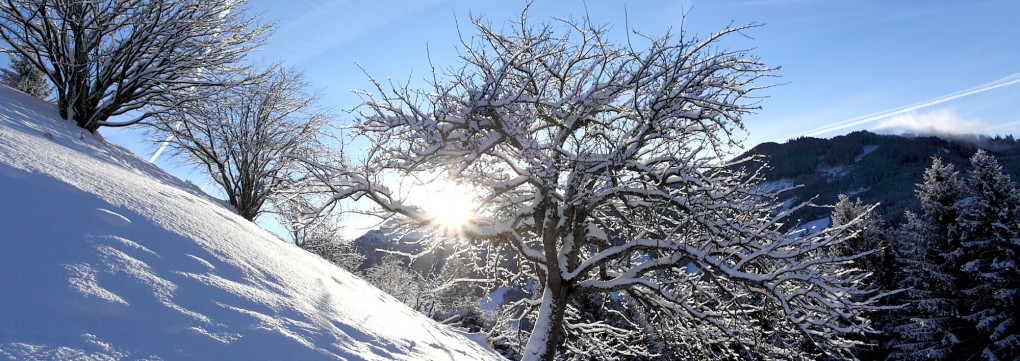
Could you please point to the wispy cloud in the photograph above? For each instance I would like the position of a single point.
(322, 25)
(943, 121)
(877, 116)
(1011, 127)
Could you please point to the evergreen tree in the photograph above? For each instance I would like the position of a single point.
(23, 75)
(913, 337)
(960, 267)
(939, 194)
(989, 221)
(869, 240)
(930, 325)
(869, 236)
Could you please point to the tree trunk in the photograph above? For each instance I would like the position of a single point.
(62, 105)
(548, 331)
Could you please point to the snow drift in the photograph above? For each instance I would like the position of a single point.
(104, 256)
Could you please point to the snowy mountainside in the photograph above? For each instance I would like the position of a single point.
(877, 168)
(105, 257)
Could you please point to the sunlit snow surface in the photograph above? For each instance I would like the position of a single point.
(106, 257)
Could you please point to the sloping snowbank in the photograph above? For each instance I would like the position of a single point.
(104, 256)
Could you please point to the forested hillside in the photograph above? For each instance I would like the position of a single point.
(876, 168)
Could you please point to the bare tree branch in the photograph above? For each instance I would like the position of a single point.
(603, 167)
(111, 57)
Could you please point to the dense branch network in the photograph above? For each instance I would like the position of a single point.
(112, 57)
(600, 166)
(246, 137)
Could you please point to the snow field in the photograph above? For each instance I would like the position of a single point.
(105, 257)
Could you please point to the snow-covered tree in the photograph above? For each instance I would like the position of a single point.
(607, 326)
(316, 232)
(989, 228)
(960, 266)
(940, 194)
(602, 166)
(920, 330)
(111, 57)
(335, 250)
(247, 137)
(932, 326)
(396, 278)
(296, 213)
(457, 297)
(870, 236)
(24, 76)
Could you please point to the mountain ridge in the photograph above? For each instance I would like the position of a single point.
(877, 168)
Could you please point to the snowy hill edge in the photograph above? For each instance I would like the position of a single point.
(104, 256)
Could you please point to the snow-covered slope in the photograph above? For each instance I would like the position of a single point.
(104, 256)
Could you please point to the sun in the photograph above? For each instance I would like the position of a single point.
(450, 206)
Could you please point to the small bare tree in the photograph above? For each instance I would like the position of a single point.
(319, 232)
(247, 137)
(111, 57)
(602, 166)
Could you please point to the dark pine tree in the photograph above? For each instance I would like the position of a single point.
(989, 222)
(930, 325)
(870, 238)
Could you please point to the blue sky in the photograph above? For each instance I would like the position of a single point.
(879, 65)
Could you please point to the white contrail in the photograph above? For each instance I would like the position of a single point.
(161, 148)
(170, 137)
(1005, 81)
